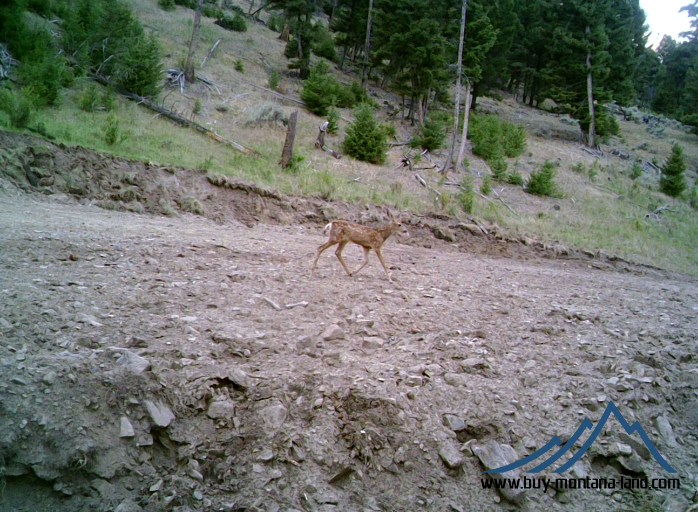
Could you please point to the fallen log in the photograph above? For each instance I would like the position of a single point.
(175, 117)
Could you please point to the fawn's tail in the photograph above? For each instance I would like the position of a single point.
(329, 226)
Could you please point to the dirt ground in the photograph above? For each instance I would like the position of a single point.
(189, 362)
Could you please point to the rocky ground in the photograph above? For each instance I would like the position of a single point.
(194, 362)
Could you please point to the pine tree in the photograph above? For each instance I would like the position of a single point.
(366, 139)
(672, 182)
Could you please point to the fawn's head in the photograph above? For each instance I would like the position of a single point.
(394, 225)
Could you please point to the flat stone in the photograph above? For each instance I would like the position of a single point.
(455, 379)
(638, 446)
(474, 365)
(265, 455)
(453, 422)
(620, 449)
(125, 428)
(132, 362)
(160, 414)
(104, 488)
(372, 342)
(332, 332)
(493, 455)
(274, 415)
(50, 377)
(666, 431)
(450, 454)
(128, 505)
(632, 463)
(221, 409)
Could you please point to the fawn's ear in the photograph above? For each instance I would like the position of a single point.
(389, 214)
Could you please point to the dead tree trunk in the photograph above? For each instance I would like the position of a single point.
(449, 160)
(590, 93)
(320, 142)
(466, 116)
(287, 152)
(189, 72)
(367, 46)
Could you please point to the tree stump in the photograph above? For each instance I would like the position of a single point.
(320, 142)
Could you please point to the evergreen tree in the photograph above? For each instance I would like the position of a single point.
(366, 139)
(672, 182)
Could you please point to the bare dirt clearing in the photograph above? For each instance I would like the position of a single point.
(156, 363)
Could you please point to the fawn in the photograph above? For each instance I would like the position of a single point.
(342, 232)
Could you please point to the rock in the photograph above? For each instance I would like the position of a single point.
(274, 415)
(297, 304)
(50, 377)
(326, 498)
(132, 362)
(266, 455)
(198, 495)
(620, 449)
(548, 104)
(475, 365)
(128, 505)
(455, 379)
(632, 463)
(472, 228)
(156, 486)
(450, 454)
(568, 120)
(221, 409)
(333, 332)
(126, 429)
(666, 431)
(160, 414)
(372, 342)
(675, 504)
(578, 470)
(493, 455)
(638, 446)
(443, 233)
(453, 422)
(104, 488)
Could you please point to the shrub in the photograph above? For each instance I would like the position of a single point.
(18, 105)
(542, 182)
(320, 90)
(672, 182)
(322, 43)
(236, 23)
(515, 178)
(494, 139)
(166, 5)
(636, 171)
(579, 168)
(332, 120)
(88, 98)
(466, 197)
(514, 139)
(499, 168)
(239, 66)
(212, 11)
(197, 106)
(274, 80)
(486, 186)
(366, 139)
(111, 130)
(486, 135)
(432, 134)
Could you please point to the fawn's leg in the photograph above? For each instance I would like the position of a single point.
(324, 246)
(380, 257)
(366, 251)
(338, 253)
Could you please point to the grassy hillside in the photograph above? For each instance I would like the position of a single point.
(601, 207)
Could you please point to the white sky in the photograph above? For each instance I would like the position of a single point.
(663, 17)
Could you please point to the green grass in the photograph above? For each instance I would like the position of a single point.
(616, 225)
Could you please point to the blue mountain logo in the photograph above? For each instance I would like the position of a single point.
(586, 425)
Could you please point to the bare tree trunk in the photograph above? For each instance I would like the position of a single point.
(590, 93)
(367, 46)
(287, 152)
(189, 72)
(344, 56)
(420, 111)
(466, 116)
(449, 160)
